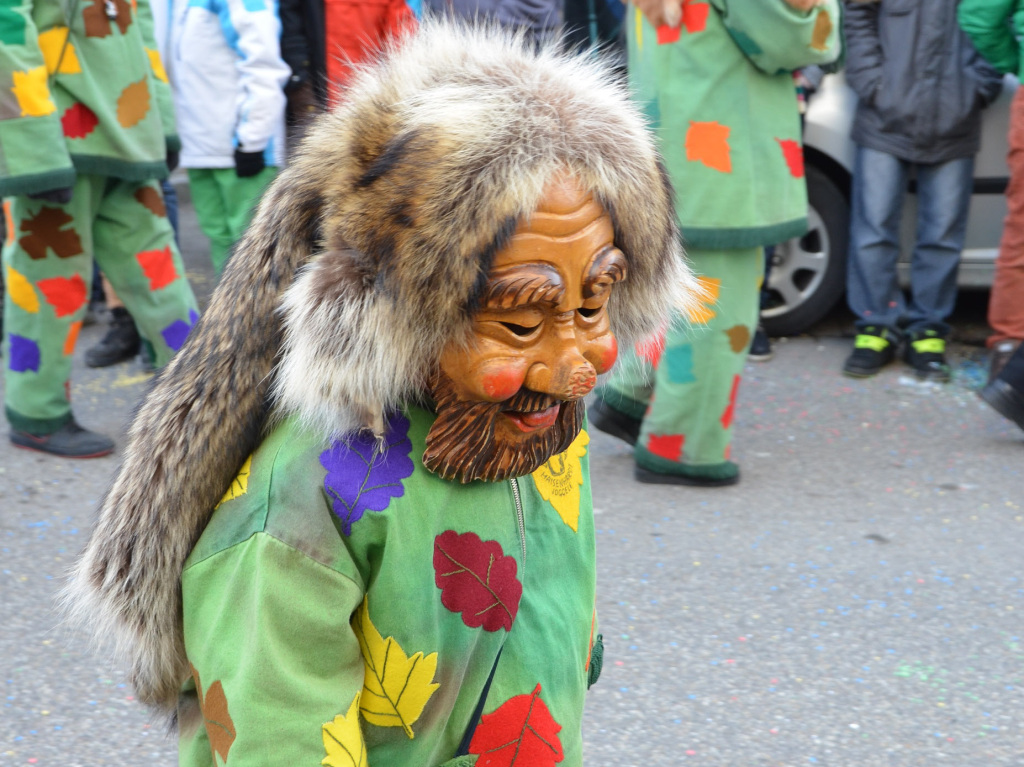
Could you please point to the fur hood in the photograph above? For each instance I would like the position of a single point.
(364, 260)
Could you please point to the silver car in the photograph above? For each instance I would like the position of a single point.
(808, 276)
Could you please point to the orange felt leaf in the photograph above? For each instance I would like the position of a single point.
(822, 29)
(702, 311)
(71, 338)
(708, 142)
(133, 104)
(730, 409)
(219, 727)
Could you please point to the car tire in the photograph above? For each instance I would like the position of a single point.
(808, 274)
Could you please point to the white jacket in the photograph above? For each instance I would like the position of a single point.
(228, 79)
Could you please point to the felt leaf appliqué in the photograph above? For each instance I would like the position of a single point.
(520, 732)
(240, 484)
(708, 297)
(794, 156)
(363, 477)
(45, 230)
(822, 30)
(708, 143)
(477, 579)
(219, 727)
(343, 740)
(395, 686)
(559, 480)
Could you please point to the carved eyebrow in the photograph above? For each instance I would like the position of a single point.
(608, 267)
(524, 285)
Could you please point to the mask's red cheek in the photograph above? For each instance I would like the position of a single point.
(603, 352)
(502, 383)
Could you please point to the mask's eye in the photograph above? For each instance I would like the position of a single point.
(588, 313)
(520, 330)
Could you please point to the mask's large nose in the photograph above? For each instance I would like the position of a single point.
(561, 370)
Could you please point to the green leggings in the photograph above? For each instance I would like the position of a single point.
(687, 412)
(224, 205)
(47, 259)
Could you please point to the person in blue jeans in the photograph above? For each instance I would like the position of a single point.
(921, 87)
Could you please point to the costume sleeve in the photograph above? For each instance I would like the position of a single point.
(33, 154)
(778, 38)
(262, 71)
(987, 23)
(863, 50)
(161, 85)
(277, 667)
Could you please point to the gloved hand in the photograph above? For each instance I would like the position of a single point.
(60, 196)
(248, 164)
(173, 158)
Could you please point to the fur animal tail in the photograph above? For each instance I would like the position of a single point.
(202, 418)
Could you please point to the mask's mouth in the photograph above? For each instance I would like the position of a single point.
(530, 410)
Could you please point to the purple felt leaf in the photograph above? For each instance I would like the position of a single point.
(363, 476)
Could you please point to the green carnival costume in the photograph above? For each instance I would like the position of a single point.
(720, 96)
(87, 111)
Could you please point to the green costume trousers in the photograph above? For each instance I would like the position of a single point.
(224, 205)
(685, 387)
(47, 260)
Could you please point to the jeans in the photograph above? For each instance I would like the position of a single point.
(943, 197)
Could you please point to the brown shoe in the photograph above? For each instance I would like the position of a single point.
(1001, 352)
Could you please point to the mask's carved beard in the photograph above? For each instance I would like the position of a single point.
(463, 445)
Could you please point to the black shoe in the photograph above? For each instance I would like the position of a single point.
(873, 348)
(1000, 355)
(611, 421)
(1006, 400)
(761, 346)
(690, 480)
(69, 441)
(119, 344)
(926, 354)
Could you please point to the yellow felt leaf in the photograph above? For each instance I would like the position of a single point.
(33, 93)
(52, 44)
(701, 310)
(240, 484)
(639, 20)
(343, 740)
(395, 686)
(708, 143)
(156, 64)
(22, 293)
(559, 480)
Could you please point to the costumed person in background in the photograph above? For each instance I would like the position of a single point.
(994, 27)
(228, 78)
(322, 41)
(402, 569)
(85, 129)
(715, 82)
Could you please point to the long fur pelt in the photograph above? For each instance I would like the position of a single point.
(366, 257)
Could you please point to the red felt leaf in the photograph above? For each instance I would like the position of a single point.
(158, 266)
(667, 34)
(695, 16)
(79, 121)
(652, 348)
(667, 446)
(520, 732)
(794, 155)
(476, 579)
(65, 295)
(730, 410)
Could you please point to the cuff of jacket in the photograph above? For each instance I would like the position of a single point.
(13, 186)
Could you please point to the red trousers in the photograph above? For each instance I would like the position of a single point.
(1006, 304)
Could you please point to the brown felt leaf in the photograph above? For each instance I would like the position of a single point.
(133, 104)
(739, 337)
(219, 727)
(45, 230)
(822, 29)
(152, 200)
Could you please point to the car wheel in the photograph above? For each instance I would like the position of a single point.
(808, 274)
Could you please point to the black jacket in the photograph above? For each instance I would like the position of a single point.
(921, 85)
(303, 47)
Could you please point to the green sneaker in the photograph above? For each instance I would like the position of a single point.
(926, 354)
(873, 348)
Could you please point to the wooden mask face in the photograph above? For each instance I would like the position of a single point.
(513, 397)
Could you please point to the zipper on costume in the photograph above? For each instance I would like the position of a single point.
(519, 516)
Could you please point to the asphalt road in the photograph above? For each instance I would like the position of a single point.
(855, 600)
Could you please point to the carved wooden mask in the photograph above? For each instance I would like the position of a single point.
(513, 397)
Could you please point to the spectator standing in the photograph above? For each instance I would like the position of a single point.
(539, 19)
(85, 129)
(921, 87)
(228, 78)
(719, 91)
(994, 27)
